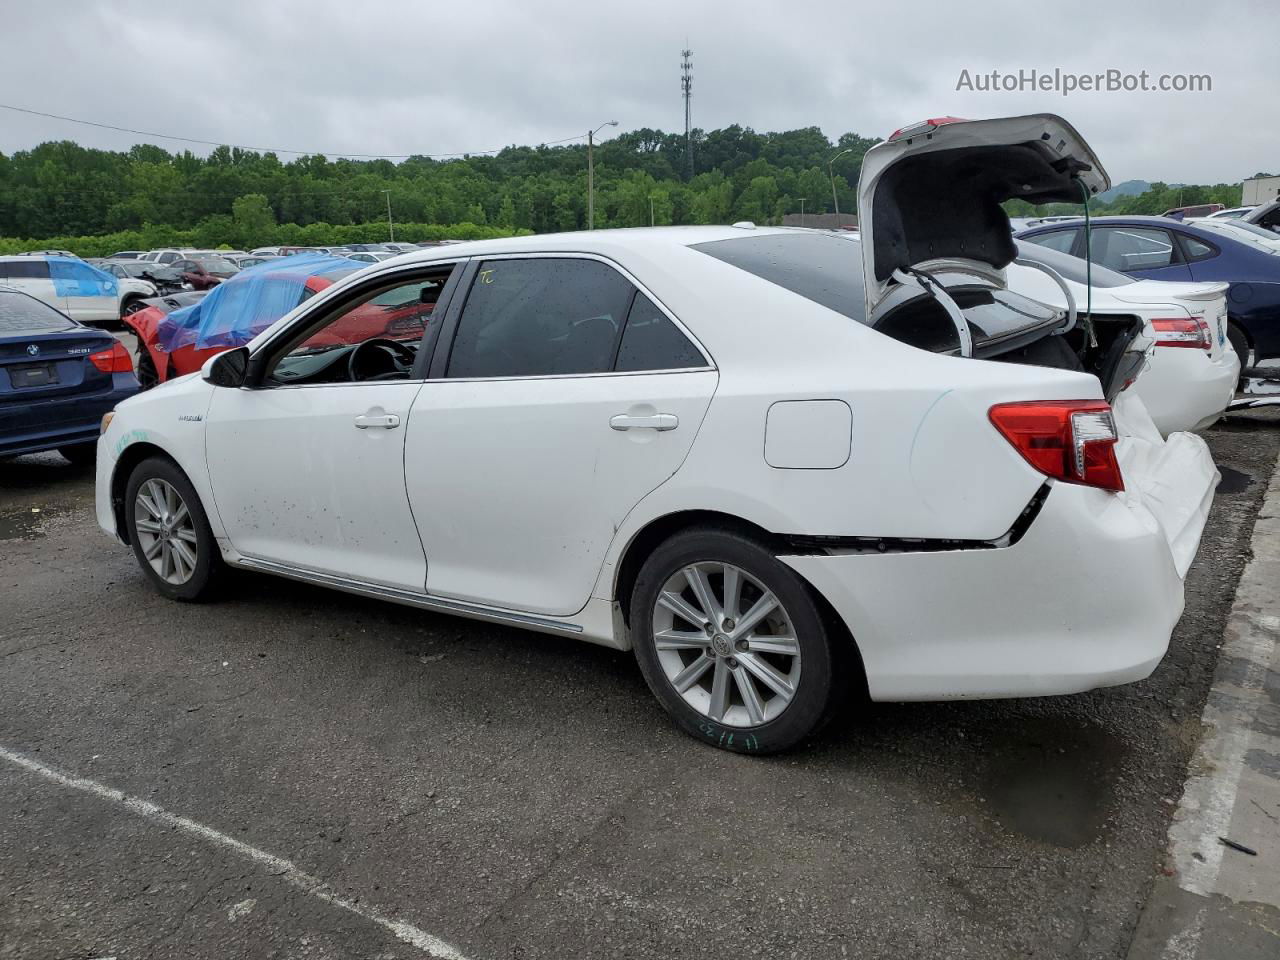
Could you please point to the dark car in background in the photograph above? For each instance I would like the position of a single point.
(1164, 249)
(57, 379)
(204, 273)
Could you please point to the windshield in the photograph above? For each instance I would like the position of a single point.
(1072, 268)
(20, 313)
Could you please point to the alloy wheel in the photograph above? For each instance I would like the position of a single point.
(166, 531)
(726, 644)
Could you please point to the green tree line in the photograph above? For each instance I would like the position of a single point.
(63, 195)
(63, 191)
(1153, 202)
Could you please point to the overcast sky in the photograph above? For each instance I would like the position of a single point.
(382, 77)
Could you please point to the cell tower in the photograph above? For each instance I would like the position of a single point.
(686, 85)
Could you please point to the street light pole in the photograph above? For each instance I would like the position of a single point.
(831, 169)
(591, 173)
(651, 209)
(802, 200)
(391, 227)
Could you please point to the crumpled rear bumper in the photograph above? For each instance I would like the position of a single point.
(1174, 479)
(1087, 598)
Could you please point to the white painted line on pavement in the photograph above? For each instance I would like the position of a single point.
(284, 869)
(1209, 796)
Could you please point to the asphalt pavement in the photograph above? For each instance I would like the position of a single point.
(291, 772)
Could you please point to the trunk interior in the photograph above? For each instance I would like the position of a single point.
(1005, 328)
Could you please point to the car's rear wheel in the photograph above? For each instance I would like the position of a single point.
(1240, 344)
(170, 532)
(732, 642)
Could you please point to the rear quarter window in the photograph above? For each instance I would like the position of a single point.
(32, 269)
(652, 342)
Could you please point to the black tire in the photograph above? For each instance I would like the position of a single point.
(132, 305)
(822, 681)
(1240, 344)
(208, 568)
(147, 376)
(80, 454)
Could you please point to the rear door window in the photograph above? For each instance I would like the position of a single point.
(1072, 268)
(543, 316)
(1061, 240)
(1133, 248)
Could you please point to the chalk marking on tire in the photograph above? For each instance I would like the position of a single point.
(283, 869)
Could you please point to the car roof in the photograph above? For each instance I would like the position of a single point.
(604, 242)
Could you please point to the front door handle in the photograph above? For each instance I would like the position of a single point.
(387, 421)
(656, 421)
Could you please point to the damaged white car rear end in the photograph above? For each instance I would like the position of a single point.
(1084, 587)
(771, 474)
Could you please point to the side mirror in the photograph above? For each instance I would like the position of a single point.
(227, 369)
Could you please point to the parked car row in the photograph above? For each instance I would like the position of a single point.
(745, 453)
(1160, 248)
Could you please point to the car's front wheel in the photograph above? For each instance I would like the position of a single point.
(147, 376)
(732, 642)
(170, 532)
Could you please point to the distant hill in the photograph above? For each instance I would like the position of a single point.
(1130, 188)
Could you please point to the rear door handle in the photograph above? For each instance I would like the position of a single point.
(388, 421)
(656, 421)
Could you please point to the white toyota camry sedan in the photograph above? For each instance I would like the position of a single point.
(745, 453)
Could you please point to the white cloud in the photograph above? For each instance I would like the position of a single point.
(399, 78)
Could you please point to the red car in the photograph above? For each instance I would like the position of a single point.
(396, 321)
(205, 273)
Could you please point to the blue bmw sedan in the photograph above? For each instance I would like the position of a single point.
(1165, 249)
(57, 379)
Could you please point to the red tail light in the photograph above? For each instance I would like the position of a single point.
(1175, 332)
(1070, 440)
(115, 360)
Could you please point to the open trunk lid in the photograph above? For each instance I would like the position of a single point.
(933, 192)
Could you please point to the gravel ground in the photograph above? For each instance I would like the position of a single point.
(523, 796)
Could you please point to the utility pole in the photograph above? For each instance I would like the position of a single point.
(591, 173)
(686, 85)
(831, 169)
(802, 200)
(651, 209)
(391, 227)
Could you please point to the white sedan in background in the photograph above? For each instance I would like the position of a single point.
(774, 470)
(1192, 372)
